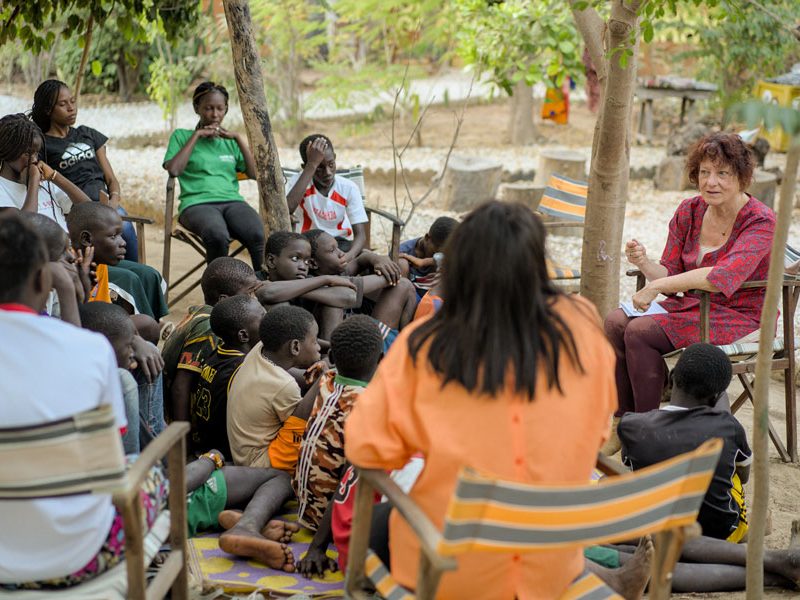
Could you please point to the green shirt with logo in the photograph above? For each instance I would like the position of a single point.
(210, 174)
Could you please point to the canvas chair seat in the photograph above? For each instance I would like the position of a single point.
(111, 585)
(487, 514)
(83, 454)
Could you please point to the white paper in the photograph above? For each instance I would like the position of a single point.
(655, 309)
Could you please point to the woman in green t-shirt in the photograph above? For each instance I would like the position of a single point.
(206, 162)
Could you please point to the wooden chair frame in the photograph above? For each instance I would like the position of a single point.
(139, 223)
(744, 367)
(668, 543)
(172, 576)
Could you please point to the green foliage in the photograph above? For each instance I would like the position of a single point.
(291, 33)
(531, 40)
(33, 23)
(736, 44)
(756, 112)
(168, 81)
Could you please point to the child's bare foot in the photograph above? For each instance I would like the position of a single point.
(229, 518)
(280, 531)
(631, 578)
(276, 530)
(243, 542)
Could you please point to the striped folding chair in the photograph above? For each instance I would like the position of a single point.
(490, 515)
(356, 175)
(83, 454)
(744, 352)
(563, 205)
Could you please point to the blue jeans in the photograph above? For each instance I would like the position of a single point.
(151, 406)
(129, 235)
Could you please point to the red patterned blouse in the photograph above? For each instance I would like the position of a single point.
(743, 257)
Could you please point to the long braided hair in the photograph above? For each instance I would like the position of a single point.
(17, 135)
(44, 100)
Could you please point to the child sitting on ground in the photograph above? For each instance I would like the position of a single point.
(262, 430)
(696, 414)
(113, 322)
(216, 489)
(324, 200)
(138, 285)
(288, 256)
(235, 321)
(192, 339)
(26, 183)
(416, 255)
(388, 298)
(356, 348)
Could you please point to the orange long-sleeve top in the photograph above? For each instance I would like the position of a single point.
(554, 439)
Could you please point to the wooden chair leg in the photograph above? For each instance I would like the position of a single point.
(134, 550)
(668, 545)
(747, 384)
(140, 238)
(176, 464)
(355, 577)
(427, 579)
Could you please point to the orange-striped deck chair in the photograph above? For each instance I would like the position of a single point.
(487, 514)
(563, 205)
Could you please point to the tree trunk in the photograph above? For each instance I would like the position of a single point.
(87, 41)
(250, 85)
(521, 130)
(769, 313)
(610, 164)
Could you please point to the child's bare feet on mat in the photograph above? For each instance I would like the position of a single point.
(243, 542)
(276, 530)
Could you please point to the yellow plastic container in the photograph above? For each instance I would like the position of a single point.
(782, 95)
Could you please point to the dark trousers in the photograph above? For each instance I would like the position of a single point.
(641, 373)
(217, 222)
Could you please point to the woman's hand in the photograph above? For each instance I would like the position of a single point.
(636, 253)
(228, 135)
(208, 131)
(644, 298)
(46, 170)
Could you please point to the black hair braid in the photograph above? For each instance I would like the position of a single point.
(17, 133)
(44, 100)
(206, 88)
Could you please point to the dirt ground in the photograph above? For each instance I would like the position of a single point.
(484, 128)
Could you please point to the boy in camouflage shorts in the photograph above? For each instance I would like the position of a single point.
(356, 348)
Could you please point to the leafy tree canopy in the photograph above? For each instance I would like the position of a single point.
(33, 23)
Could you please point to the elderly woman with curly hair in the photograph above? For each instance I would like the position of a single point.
(717, 241)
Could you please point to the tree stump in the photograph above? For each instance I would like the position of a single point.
(563, 162)
(671, 174)
(764, 187)
(522, 192)
(468, 182)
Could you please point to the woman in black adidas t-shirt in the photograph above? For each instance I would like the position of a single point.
(78, 153)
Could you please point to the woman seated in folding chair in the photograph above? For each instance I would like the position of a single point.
(206, 162)
(717, 241)
(510, 377)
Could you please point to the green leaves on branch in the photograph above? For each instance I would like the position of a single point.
(32, 22)
(531, 40)
(755, 113)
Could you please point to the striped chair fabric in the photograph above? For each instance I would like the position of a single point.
(78, 454)
(500, 516)
(564, 199)
(555, 271)
(587, 586)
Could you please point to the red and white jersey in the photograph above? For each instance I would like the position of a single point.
(335, 213)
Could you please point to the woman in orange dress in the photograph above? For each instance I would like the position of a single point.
(510, 377)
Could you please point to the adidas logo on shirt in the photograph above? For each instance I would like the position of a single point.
(75, 153)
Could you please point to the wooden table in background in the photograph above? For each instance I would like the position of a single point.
(648, 94)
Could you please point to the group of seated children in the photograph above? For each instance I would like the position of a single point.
(269, 367)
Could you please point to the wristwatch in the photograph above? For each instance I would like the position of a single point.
(216, 457)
